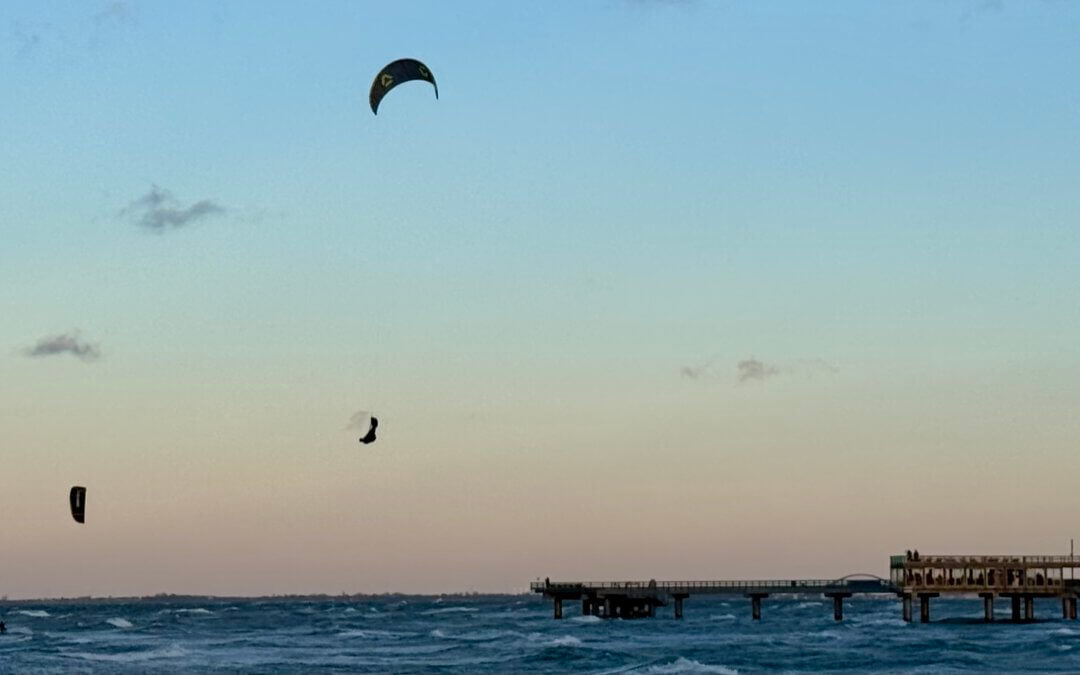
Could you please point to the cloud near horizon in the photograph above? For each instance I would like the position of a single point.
(65, 343)
(159, 210)
(752, 369)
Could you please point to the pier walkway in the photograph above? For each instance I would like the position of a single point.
(1021, 579)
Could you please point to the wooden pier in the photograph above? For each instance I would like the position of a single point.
(1021, 579)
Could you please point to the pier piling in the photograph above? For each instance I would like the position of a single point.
(755, 604)
(1015, 607)
(988, 606)
(838, 604)
(906, 600)
(924, 606)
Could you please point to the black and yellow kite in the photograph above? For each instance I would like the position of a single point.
(393, 74)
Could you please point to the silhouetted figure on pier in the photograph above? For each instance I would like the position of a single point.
(916, 554)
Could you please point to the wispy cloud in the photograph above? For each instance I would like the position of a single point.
(159, 210)
(696, 372)
(118, 10)
(754, 370)
(65, 343)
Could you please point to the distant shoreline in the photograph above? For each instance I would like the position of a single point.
(317, 597)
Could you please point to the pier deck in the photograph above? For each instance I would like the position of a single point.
(1021, 579)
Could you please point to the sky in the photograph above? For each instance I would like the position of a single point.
(655, 289)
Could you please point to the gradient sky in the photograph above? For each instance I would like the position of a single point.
(879, 201)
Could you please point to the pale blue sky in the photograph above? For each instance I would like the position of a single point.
(512, 276)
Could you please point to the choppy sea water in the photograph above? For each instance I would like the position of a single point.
(515, 634)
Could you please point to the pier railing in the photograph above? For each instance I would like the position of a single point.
(897, 561)
(728, 585)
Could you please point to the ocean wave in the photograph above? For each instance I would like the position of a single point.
(170, 652)
(685, 665)
(119, 622)
(722, 617)
(368, 633)
(804, 605)
(194, 610)
(478, 635)
(564, 641)
(1063, 631)
(35, 613)
(589, 618)
(450, 610)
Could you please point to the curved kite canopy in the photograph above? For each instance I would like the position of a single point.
(393, 74)
(78, 503)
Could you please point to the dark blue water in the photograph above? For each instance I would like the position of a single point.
(515, 634)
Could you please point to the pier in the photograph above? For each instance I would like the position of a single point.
(1020, 579)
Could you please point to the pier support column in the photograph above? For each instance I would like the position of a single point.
(1072, 608)
(755, 604)
(678, 605)
(924, 606)
(838, 604)
(1064, 607)
(586, 610)
(558, 608)
(1015, 607)
(607, 608)
(1029, 608)
(988, 606)
(906, 607)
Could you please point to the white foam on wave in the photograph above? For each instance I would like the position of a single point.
(685, 665)
(437, 633)
(450, 610)
(564, 641)
(194, 610)
(368, 633)
(35, 613)
(804, 605)
(1063, 631)
(119, 622)
(170, 652)
(722, 617)
(589, 618)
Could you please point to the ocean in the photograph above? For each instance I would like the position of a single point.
(517, 634)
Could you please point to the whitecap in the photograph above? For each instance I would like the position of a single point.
(35, 613)
(564, 641)
(437, 633)
(804, 605)
(195, 610)
(722, 617)
(171, 652)
(362, 633)
(1063, 631)
(588, 618)
(685, 665)
(451, 610)
(119, 622)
